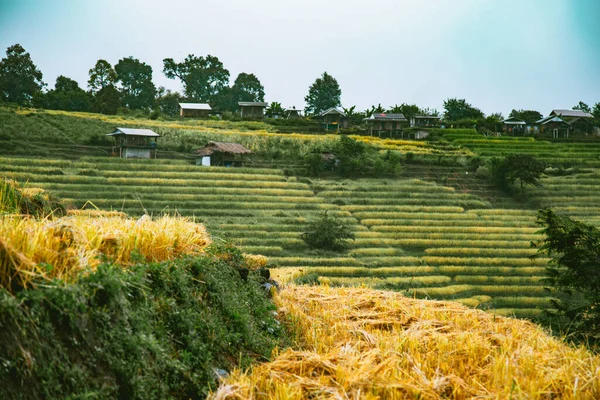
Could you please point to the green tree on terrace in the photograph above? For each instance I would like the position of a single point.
(274, 109)
(101, 76)
(583, 107)
(529, 116)
(574, 252)
(524, 168)
(168, 102)
(328, 233)
(459, 109)
(408, 110)
(67, 95)
(107, 100)
(135, 78)
(596, 112)
(203, 78)
(20, 79)
(323, 94)
(247, 87)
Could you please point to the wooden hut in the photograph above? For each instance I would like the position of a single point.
(252, 109)
(194, 110)
(554, 125)
(221, 154)
(387, 124)
(134, 143)
(424, 121)
(580, 122)
(514, 126)
(293, 113)
(333, 119)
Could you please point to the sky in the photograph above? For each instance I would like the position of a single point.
(497, 54)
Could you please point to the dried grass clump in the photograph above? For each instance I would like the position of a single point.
(255, 261)
(62, 248)
(360, 343)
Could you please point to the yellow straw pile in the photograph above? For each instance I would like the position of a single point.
(64, 247)
(357, 343)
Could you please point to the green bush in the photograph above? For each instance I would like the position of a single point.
(328, 233)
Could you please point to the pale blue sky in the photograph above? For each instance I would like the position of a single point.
(498, 54)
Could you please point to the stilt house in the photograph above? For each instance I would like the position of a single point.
(134, 143)
(221, 154)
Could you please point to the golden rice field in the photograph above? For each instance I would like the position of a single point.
(352, 343)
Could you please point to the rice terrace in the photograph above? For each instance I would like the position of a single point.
(203, 242)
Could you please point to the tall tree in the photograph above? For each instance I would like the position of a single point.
(107, 100)
(203, 78)
(323, 94)
(596, 112)
(524, 168)
(583, 107)
(457, 109)
(247, 87)
(20, 79)
(67, 95)
(136, 82)
(529, 116)
(168, 102)
(101, 76)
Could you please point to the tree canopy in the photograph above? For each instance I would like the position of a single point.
(583, 107)
(529, 116)
(102, 75)
(323, 94)
(107, 100)
(20, 79)
(247, 87)
(203, 78)
(67, 95)
(168, 102)
(135, 78)
(459, 109)
(524, 168)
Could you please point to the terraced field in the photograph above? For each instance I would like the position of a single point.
(412, 235)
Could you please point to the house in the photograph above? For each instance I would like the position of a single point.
(580, 122)
(194, 110)
(252, 109)
(221, 154)
(333, 119)
(293, 113)
(424, 120)
(392, 124)
(134, 143)
(554, 125)
(514, 126)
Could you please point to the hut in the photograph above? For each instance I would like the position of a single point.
(252, 109)
(221, 154)
(424, 121)
(514, 126)
(194, 110)
(580, 122)
(390, 124)
(333, 119)
(293, 113)
(555, 125)
(134, 143)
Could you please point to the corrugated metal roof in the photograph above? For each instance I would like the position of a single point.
(388, 117)
(195, 106)
(426, 116)
(252, 104)
(514, 121)
(572, 113)
(552, 119)
(222, 147)
(332, 110)
(134, 132)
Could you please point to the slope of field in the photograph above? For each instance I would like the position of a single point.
(360, 343)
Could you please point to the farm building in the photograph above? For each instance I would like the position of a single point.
(134, 143)
(293, 113)
(388, 124)
(562, 123)
(221, 154)
(333, 119)
(554, 125)
(424, 120)
(514, 126)
(252, 109)
(194, 110)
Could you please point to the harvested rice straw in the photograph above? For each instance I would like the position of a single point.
(356, 343)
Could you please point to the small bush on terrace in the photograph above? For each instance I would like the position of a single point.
(327, 233)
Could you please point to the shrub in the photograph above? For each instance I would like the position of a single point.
(328, 233)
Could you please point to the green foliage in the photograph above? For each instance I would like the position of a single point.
(68, 96)
(107, 100)
(151, 331)
(596, 112)
(524, 168)
(168, 102)
(574, 251)
(203, 78)
(459, 109)
(327, 233)
(529, 116)
(12, 201)
(247, 87)
(323, 94)
(20, 79)
(101, 76)
(274, 110)
(136, 80)
(583, 107)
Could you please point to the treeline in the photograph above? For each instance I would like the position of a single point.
(128, 87)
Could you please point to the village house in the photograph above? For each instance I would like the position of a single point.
(252, 109)
(194, 110)
(134, 143)
(333, 119)
(221, 154)
(293, 113)
(514, 127)
(424, 121)
(388, 124)
(562, 123)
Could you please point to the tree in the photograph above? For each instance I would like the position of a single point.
(274, 109)
(325, 93)
(107, 100)
(408, 110)
(596, 112)
(529, 116)
(101, 76)
(459, 109)
(574, 252)
(135, 78)
(168, 102)
(524, 168)
(247, 87)
(583, 107)
(354, 117)
(67, 95)
(20, 79)
(328, 233)
(203, 78)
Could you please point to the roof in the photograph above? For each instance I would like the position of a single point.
(388, 117)
(513, 121)
(252, 104)
(572, 113)
(332, 110)
(222, 147)
(426, 116)
(195, 106)
(133, 132)
(294, 109)
(551, 118)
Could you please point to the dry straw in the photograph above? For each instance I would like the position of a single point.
(365, 344)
